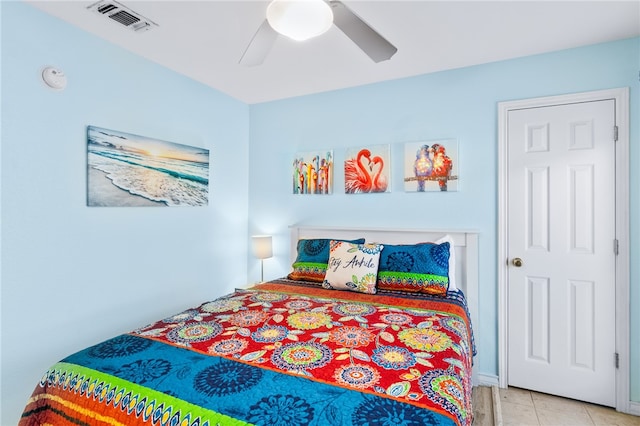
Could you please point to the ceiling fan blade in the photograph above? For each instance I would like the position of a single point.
(367, 39)
(259, 46)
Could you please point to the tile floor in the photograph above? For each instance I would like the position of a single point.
(522, 407)
(483, 407)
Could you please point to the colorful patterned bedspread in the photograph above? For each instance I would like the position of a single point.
(277, 354)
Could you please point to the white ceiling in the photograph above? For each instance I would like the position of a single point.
(204, 40)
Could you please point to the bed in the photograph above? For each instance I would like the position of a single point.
(389, 344)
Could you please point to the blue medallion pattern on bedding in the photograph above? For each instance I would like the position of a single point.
(282, 353)
(244, 392)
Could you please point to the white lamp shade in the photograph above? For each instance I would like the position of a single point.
(300, 19)
(262, 247)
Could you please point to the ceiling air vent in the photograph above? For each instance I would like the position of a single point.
(123, 15)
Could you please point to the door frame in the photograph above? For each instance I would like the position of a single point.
(621, 97)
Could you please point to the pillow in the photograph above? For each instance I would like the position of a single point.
(352, 267)
(422, 268)
(452, 260)
(311, 261)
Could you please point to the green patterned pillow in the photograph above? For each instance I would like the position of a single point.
(311, 261)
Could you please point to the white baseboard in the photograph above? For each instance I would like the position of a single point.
(486, 380)
(634, 408)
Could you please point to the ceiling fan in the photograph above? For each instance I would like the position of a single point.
(293, 17)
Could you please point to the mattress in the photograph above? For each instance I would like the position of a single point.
(280, 353)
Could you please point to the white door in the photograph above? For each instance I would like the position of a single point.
(560, 243)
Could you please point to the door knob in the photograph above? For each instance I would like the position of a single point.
(517, 262)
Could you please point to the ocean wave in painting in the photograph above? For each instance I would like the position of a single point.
(159, 171)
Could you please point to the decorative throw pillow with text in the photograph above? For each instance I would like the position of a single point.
(352, 267)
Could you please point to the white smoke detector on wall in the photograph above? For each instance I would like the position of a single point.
(54, 78)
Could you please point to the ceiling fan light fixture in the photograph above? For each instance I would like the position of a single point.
(300, 19)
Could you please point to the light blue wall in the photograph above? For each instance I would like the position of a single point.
(459, 104)
(72, 275)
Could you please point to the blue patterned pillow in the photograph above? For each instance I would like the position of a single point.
(312, 259)
(422, 268)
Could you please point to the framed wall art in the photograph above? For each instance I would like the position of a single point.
(126, 170)
(367, 169)
(431, 166)
(313, 173)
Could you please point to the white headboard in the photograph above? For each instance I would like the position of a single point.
(465, 242)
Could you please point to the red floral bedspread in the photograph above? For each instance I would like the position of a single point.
(417, 351)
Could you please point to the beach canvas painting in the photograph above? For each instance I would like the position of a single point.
(367, 169)
(431, 166)
(313, 173)
(125, 170)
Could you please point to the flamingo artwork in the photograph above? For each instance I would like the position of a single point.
(298, 176)
(324, 175)
(365, 170)
(379, 183)
(357, 177)
(312, 173)
(328, 173)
